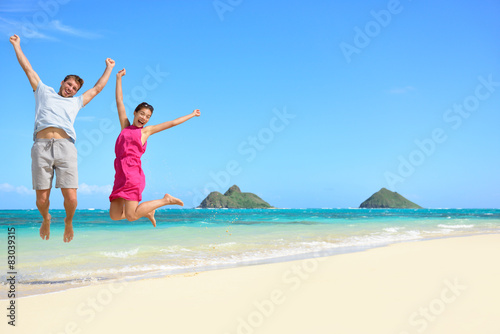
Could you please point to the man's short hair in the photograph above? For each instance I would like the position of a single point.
(76, 78)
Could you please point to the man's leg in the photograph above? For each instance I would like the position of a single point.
(42, 175)
(67, 179)
(70, 203)
(43, 203)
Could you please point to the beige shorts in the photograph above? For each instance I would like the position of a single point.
(49, 155)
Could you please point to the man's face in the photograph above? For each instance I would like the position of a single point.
(69, 88)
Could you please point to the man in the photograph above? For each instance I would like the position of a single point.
(54, 137)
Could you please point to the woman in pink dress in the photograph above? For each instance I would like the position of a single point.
(130, 146)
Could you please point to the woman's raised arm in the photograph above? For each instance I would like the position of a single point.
(122, 113)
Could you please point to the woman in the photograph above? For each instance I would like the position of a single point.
(130, 146)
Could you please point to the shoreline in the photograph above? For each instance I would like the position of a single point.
(195, 270)
(267, 261)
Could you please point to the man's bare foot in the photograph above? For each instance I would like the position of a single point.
(68, 231)
(171, 200)
(45, 229)
(151, 217)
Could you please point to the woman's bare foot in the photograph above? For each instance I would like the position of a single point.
(151, 217)
(171, 200)
(45, 229)
(68, 231)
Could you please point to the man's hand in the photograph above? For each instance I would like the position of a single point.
(98, 87)
(110, 62)
(121, 73)
(23, 61)
(15, 40)
(196, 112)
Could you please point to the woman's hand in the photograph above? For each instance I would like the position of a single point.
(121, 73)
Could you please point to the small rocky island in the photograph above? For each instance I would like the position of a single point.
(388, 199)
(234, 199)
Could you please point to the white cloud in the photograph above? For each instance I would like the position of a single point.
(17, 6)
(86, 189)
(8, 188)
(9, 28)
(60, 27)
(30, 26)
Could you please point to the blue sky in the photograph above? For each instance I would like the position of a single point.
(307, 104)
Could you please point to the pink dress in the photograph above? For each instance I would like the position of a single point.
(129, 177)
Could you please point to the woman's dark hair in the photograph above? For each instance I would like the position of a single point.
(144, 105)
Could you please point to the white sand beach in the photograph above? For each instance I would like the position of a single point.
(436, 286)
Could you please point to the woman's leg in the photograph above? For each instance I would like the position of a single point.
(134, 210)
(117, 209)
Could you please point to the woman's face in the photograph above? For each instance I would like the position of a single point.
(141, 117)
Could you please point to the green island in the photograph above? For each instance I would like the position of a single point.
(234, 199)
(388, 199)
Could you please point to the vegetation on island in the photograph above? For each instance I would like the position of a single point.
(388, 199)
(234, 199)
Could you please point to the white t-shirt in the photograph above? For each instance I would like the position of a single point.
(53, 110)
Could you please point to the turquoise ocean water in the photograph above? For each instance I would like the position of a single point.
(188, 240)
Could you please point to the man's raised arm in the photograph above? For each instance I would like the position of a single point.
(103, 80)
(23, 61)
